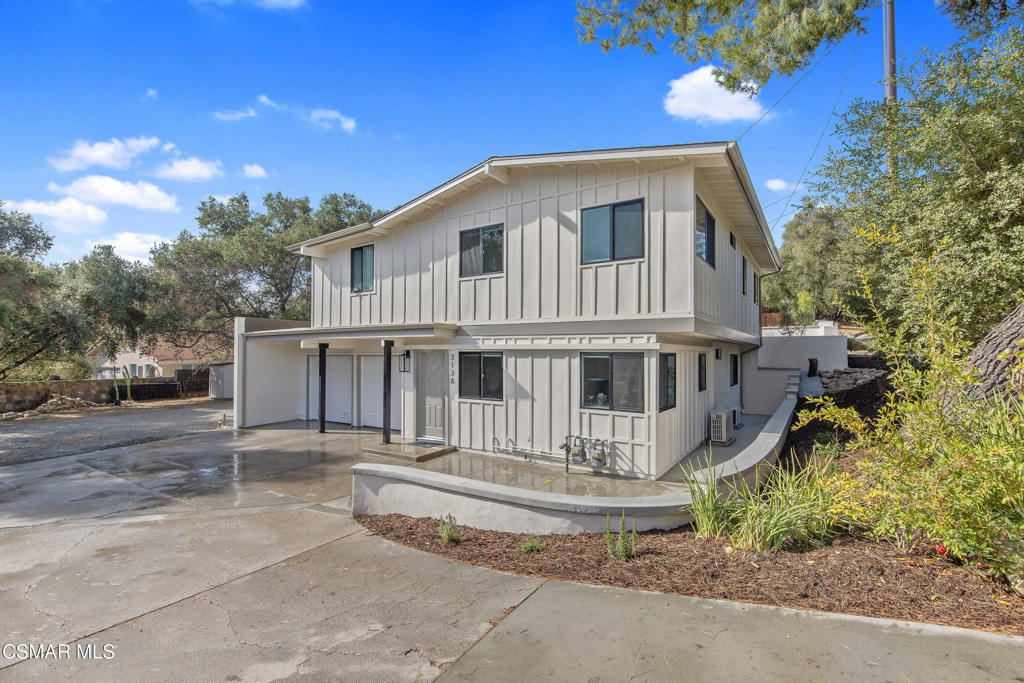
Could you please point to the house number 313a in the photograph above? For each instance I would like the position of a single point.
(451, 368)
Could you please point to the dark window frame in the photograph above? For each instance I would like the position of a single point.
(702, 372)
(480, 231)
(732, 239)
(744, 271)
(757, 289)
(611, 230)
(734, 369)
(480, 355)
(708, 256)
(663, 381)
(611, 382)
(362, 276)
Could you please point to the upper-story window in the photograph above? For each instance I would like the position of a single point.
(743, 274)
(613, 232)
(482, 251)
(705, 235)
(362, 269)
(757, 288)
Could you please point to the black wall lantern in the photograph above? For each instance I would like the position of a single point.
(404, 361)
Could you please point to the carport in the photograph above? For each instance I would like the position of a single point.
(286, 370)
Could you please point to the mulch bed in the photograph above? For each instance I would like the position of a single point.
(853, 575)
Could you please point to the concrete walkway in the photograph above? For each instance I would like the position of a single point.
(230, 556)
(70, 433)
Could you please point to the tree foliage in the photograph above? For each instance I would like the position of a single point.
(236, 264)
(753, 41)
(815, 257)
(943, 167)
(22, 236)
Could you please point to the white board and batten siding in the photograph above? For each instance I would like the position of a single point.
(416, 267)
(542, 406)
(718, 291)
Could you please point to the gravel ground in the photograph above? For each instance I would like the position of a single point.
(59, 434)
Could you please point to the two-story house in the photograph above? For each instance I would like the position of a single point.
(606, 293)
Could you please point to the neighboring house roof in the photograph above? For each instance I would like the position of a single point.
(746, 212)
(164, 352)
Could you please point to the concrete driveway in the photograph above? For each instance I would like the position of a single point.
(230, 556)
(70, 433)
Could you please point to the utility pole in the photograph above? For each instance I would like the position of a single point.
(889, 50)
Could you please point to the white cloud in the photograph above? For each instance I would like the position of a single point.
(151, 94)
(253, 171)
(780, 185)
(168, 147)
(113, 153)
(222, 198)
(697, 97)
(267, 102)
(327, 118)
(133, 246)
(103, 189)
(68, 213)
(191, 170)
(246, 113)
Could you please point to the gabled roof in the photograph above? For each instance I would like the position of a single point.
(729, 166)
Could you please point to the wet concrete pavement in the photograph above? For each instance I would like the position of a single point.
(231, 556)
(74, 432)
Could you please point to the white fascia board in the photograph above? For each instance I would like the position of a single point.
(616, 155)
(747, 186)
(326, 334)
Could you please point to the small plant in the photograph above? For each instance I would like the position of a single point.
(448, 530)
(533, 545)
(709, 512)
(624, 547)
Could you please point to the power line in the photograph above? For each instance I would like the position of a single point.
(800, 80)
(824, 128)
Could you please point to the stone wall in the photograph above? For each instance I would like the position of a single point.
(18, 396)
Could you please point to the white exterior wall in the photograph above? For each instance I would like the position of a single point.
(417, 267)
(542, 406)
(718, 291)
(274, 381)
(795, 351)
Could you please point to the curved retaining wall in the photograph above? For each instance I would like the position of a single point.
(386, 489)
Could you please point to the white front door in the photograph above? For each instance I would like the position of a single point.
(339, 389)
(431, 387)
(371, 392)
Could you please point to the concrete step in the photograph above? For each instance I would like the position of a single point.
(408, 451)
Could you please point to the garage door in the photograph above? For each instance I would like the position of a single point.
(339, 389)
(371, 392)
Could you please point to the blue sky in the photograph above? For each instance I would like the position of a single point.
(119, 117)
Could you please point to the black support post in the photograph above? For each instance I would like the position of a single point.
(323, 388)
(389, 344)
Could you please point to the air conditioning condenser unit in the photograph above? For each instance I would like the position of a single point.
(721, 428)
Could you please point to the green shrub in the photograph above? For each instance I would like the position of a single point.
(624, 547)
(855, 345)
(796, 506)
(709, 513)
(532, 545)
(448, 530)
(938, 466)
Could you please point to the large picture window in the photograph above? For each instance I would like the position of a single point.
(705, 235)
(481, 376)
(482, 251)
(613, 381)
(362, 269)
(613, 232)
(666, 381)
(702, 372)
